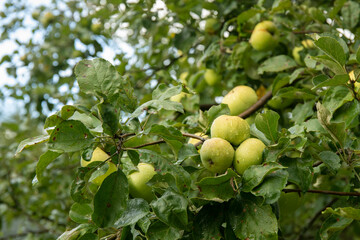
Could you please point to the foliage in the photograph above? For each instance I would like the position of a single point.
(310, 126)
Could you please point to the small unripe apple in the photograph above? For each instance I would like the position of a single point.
(233, 129)
(137, 182)
(239, 99)
(296, 54)
(99, 155)
(308, 43)
(216, 155)
(183, 77)
(211, 25)
(179, 97)
(96, 28)
(211, 77)
(247, 154)
(264, 36)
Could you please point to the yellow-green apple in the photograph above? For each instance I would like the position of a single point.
(179, 97)
(296, 54)
(308, 43)
(239, 99)
(183, 77)
(211, 77)
(264, 36)
(137, 182)
(211, 25)
(194, 141)
(99, 155)
(233, 129)
(216, 155)
(247, 154)
(96, 28)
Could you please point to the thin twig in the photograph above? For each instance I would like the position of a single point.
(356, 194)
(261, 102)
(194, 136)
(145, 145)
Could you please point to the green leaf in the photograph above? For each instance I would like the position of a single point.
(162, 92)
(110, 201)
(252, 220)
(255, 174)
(302, 111)
(336, 97)
(136, 209)
(171, 208)
(336, 130)
(271, 187)
(52, 121)
(70, 136)
(216, 111)
(99, 78)
(346, 212)
(246, 15)
(31, 142)
(277, 64)
(267, 123)
(358, 55)
(80, 188)
(331, 160)
(348, 113)
(77, 232)
(319, 79)
(161, 231)
(332, 225)
(186, 151)
(80, 213)
(67, 111)
(204, 228)
(158, 105)
(332, 48)
(335, 81)
(296, 93)
(109, 117)
(334, 66)
(350, 13)
(219, 188)
(300, 171)
(44, 160)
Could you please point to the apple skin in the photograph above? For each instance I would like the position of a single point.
(247, 154)
(217, 155)
(137, 182)
(194, 141)
(99, 156)
(296, 55)
(239, 99)
(211, 25)
(264, 36)
(211, 77)
(308, 43)
(233, 129)
(179, 97)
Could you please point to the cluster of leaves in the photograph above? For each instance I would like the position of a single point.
(310, 126)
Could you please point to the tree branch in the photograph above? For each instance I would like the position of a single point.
(261, 102)
(356, 194)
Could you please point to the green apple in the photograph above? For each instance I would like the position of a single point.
(179, 97)
(183, 77)
(308, 43)
(137, 182)
(239, 99)
(296, 54)
(194, 141)
(233, 129)
(216, 155)
(247, 154)
(99, 156)
(211, 77)
(264, 36)
(211, 25)
(96, 27)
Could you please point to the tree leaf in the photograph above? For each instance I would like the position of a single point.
(110, 201)
(335, 81)
(255, 174)
(171, 208)
(271, 187)
(162, 92)
(332, 225)
(350, 13)
(267, 123)
(31, 142)
(161, 231)
(70, 136)
(300, 171)
(302, 111)
(80, 213)
(336, 97)
(158, 105)
(334, 66)
(109, 117)
(346, 212)
(332, 48)
(252, 220)
(44, 160)
(136, 209)
(277, 64)
(331, 160)
(204, 228)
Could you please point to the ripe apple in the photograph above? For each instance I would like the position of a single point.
(239, 99)
(264, 36)
(137, 182)
(99, 156)
(247, 154)
(211, 25)
(216, 155)
(179, 97)
(233, 129)
(211, 77)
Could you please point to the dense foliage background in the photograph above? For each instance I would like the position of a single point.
(158, 49)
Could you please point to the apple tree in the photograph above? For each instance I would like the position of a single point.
(284, 73)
